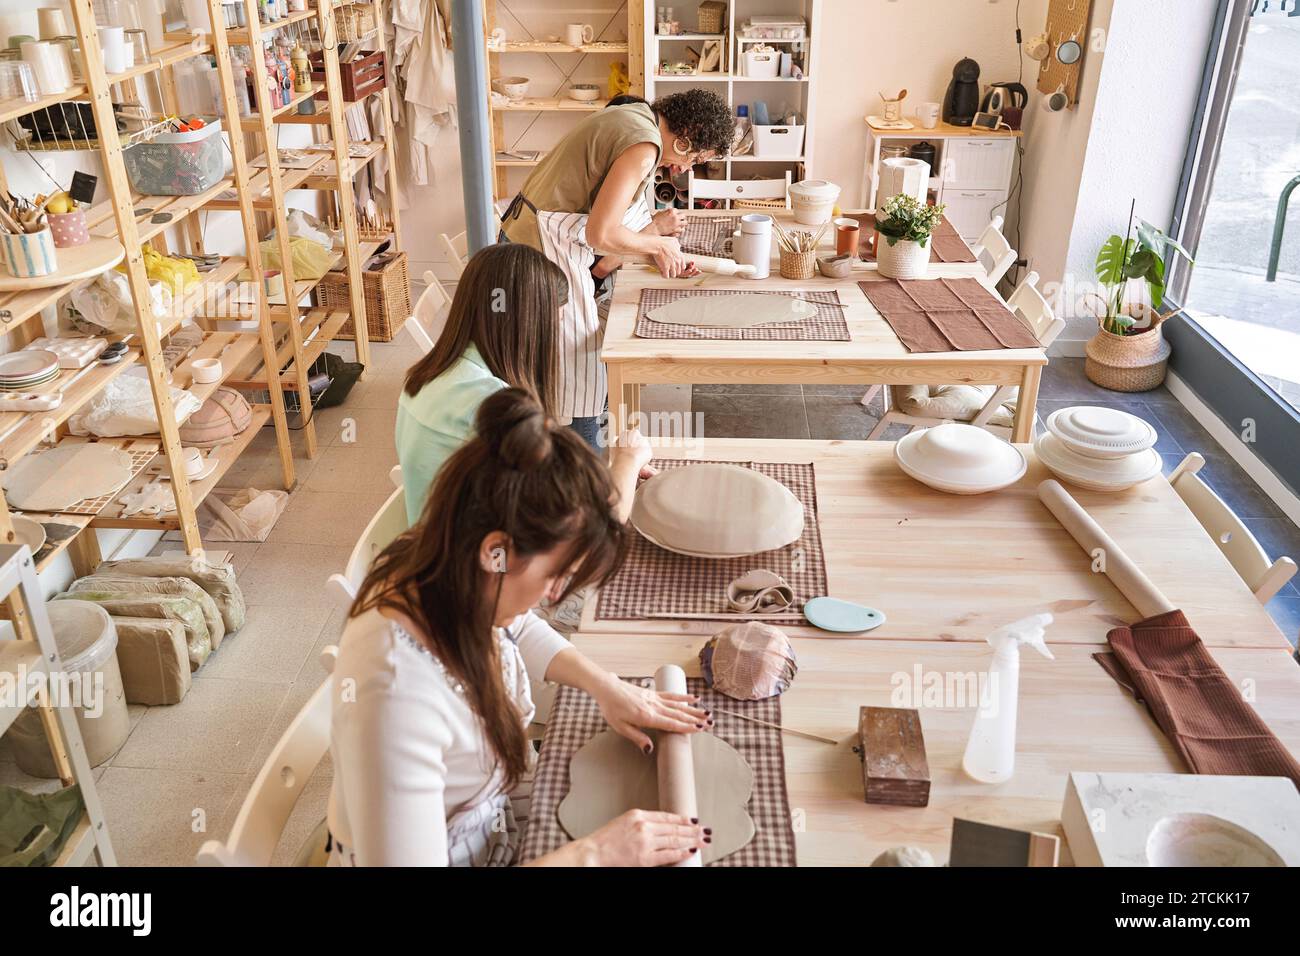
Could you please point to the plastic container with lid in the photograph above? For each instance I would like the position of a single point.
(813, 200)
(87, 643)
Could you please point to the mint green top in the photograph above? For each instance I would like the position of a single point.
(437, 421)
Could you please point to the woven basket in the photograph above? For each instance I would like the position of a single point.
(1128, 363)
(387, 293)
(354, 21)
(798, 265)
(758, 204)
(711, 14)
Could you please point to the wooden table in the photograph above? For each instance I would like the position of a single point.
(1072, 717)
(873, 356)
(954, 568)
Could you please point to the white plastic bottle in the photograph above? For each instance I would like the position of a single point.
(991, 751)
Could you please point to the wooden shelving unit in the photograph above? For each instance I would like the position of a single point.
(630, 50)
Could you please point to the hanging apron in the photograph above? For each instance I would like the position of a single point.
(485, 830)
(584, 389)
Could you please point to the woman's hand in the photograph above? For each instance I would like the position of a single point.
(628, 708)
(645, 838)
(669, 258)
(669, 222)
(629, 462)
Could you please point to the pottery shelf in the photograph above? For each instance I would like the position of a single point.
(324, 178)
(548, 46)
(239, 36)
(551, 103)
(51, 552)
(253, 123)
(112, 516)
(232, 348)
(179, 47)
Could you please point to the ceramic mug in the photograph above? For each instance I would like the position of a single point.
(752, 244)
(578, 34)
(847, 232)
(928, 114)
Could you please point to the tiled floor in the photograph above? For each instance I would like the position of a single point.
(184, 770)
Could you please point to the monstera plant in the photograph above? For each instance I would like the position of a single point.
(1141, 256)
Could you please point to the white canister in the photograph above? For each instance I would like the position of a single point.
(905, 259)
(46, 61)
(52, 22)
(902, 174)
(813, 201)
(112, 43)
(752, 244)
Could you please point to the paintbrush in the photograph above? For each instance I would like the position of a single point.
(784, 730)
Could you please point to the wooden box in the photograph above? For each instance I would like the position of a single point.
(358, 77)
(894, 767)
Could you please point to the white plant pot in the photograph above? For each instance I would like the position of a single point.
(904, 259)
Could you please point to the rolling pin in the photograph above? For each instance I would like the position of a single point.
(676, 764)
(722, 267)
(1123, 573)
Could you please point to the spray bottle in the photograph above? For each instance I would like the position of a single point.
(991, 751)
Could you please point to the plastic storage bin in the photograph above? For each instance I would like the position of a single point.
(178, 164)
(87, 643)
(778, 142)
(762, 65)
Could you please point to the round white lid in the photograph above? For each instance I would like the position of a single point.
(814, 189)
(1116, 473)
(960, 455)
(1099, 432)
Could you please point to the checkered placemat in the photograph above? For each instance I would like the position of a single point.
(575, 718)
(701, 233)
(655, 580)
(826, 325)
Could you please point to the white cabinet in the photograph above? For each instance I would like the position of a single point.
(977, 163)
(969, 210)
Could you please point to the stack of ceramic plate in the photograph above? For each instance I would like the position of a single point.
(1102, 449)
(28, 369)
(959, 459)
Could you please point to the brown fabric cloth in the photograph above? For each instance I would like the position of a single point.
(1165, 665)
(945, 244)
(946, 315)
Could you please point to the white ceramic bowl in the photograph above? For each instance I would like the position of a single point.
(959, 459)
(1101, 432)
(584, 92)
(206, 370)
(813, 201)
(1096, 474)
(1202, 839)
(514, 87)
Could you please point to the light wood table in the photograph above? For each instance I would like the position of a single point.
(873, 356)
(1072, 717)
(954, 568)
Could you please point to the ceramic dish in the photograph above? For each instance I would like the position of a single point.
(513, 87)
(27, 364)
(29, 531)
(1101, 432)
(835, 267)
(1096, 474)
(206, 370)
(584, 92)
(959, 459)
(716, 511)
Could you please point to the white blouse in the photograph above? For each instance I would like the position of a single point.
(409, 752)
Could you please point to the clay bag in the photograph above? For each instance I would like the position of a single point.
(154, 660)
(218, 580)
(142, 604)
(174, 587)
(218, 421)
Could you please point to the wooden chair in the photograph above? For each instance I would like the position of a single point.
(764, 193)
(429, 314)
(388, 522)
(993, 251)
(1264, 577)
(279, 784)
(1026, 302)
(456, 249)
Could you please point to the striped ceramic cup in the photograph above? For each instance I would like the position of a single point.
(29, 254)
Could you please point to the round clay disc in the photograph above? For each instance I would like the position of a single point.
(743, 310)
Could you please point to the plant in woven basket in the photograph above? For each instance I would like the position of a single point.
(903, 217)
(1140, 256)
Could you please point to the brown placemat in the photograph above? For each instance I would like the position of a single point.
(1166, 666)
(945, 244)
(575, 718)
(701, 233)
(827, 324)
(947, 315)
(655, 580)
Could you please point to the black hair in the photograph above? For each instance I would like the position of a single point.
(624, 99)
(701, 116)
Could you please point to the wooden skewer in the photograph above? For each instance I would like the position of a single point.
(784, 730)
(738, 616)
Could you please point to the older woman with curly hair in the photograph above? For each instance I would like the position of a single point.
(589, 194)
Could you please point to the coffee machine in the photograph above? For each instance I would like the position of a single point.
(962, 101)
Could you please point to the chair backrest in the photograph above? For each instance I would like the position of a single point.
(1027, 302)
(1262, 575)
(697, 188)
(456, 249)
(993, 251)
(388, 522)
(279, 784)
(429, 314)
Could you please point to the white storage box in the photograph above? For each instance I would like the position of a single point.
(762, 64)
(778, 142)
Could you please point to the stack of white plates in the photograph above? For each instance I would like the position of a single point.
(959, 459)
(28, 369)
(1101, 449)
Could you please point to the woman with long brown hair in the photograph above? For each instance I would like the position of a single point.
(432, 680)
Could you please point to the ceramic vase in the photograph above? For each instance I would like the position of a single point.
(904, 259)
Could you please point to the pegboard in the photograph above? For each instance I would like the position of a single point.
(1066, 20)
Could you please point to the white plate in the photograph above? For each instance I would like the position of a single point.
(28, 364)
(1096, 474)
(959, 459)
(1101, 432)
(29, 531)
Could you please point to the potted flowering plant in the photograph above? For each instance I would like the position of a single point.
(906, 225)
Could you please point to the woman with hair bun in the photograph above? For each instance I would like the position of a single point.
(432, 680)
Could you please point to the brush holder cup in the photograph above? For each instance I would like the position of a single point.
(798, 265)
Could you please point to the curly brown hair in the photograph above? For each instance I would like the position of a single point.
(701, 116)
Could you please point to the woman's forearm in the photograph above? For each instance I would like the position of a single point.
(574, 669)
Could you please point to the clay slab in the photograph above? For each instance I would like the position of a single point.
(742, 311)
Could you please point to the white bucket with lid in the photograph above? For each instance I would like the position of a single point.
(813, 200)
